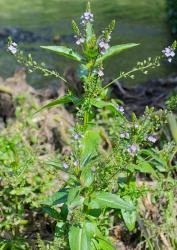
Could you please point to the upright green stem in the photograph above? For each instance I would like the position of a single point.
(86, 118)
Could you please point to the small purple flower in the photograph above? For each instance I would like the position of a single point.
(133, 149)
(125, 135)
(80, 41)
(121, 109)
(76, 163)
(13, 48)
(76, 136)
(87, 17)
(103, 46)
(152, 139)
(100, 73)
(169, 52)
(65, 165)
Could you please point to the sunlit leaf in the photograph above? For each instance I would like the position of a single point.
(78, 239)
(129, 218)
(61, 100)
(58, 197)
(64, 51)
(90, 143)
(89, 31)
(173, 125)
(105, 244)
(104, 199)
(87, 176)
(114, 50)
(74, 199)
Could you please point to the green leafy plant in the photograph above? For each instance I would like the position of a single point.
(107, 153)
(24, 180)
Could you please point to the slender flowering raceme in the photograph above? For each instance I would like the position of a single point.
(108, 38)
(169, 52)
(12, 48)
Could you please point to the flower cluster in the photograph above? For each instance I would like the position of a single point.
(133, 149)
(80, 40)
(65, 165)
(12, 48)
(120, 109)
(100, 72)
(125, 135)
(86, 17)
(103, 46)
(169, 52)
(152, 139)
(76, 136)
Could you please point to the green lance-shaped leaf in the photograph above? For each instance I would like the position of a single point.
(89, 32)
(57, 198)
(129, 218)
(87, 176)
(74, 198)
(104, 199)
(90, 143)
(61, 100)
(78, 238)
(173, 125)
(53, 213)
(64, 51)
(114, 50)
(105, 244)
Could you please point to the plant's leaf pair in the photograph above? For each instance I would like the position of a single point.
(71, 54)
(88, 237)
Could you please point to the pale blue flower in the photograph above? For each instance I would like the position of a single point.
(125, 135)
(169, 52)
(65, 165)
(103, 46)
(100, 73)
(121, 109)
(133, 149)
(76, 136)
(13, 48)
(152, 139)
(86, 17)
(80, 40)
(76, 163)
